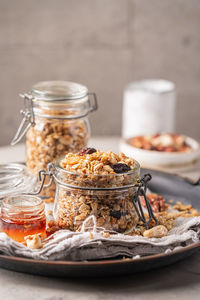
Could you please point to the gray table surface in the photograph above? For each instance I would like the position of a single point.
(178, 281)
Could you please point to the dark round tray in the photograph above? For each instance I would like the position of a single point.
(171, 186)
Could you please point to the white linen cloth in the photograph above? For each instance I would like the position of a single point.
(68, 245)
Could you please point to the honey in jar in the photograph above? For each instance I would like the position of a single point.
(22, 215)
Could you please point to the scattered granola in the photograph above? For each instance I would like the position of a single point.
(166, 219)
(182, 207)
(185, 210)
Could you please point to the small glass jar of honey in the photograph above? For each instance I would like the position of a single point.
(22, 215)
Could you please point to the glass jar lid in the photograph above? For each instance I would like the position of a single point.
(16, 178)
(58, 90)
(57, 96)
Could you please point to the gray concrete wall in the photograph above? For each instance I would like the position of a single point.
(103, 44)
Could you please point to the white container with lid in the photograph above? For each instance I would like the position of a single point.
(148, 108)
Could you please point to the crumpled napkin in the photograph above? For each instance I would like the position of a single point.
(91, 245)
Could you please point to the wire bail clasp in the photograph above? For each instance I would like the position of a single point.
(94, 106)
(28, 118)
(42, 175)
(141, 191)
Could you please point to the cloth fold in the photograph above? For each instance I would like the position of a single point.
(92, 244)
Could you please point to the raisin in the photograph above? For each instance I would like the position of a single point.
(115, 214)
(87, 151)
(120, 168)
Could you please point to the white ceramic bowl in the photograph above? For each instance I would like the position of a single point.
(148, 158)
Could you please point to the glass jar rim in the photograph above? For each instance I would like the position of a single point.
(35, 202)
(58, 91)
(15, 178)
(58, 166)
(93, 181)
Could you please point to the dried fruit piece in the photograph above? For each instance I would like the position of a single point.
(120, 168)
(115, 214)
(87, 151)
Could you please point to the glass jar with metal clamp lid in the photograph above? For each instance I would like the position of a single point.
(55, 122)
(112, 200)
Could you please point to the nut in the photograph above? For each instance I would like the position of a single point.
(106, 235)
(156, 232)
(34, 241)
(50, 212)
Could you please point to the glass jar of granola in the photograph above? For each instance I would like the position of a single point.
(95, 183)
(55, 122)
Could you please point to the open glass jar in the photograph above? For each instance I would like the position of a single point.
(16, 178)
(22, 215)
(107, 197)
(55, 122)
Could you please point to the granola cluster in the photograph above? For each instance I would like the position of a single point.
(52, 138)
(112, 208)
(97, 162)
